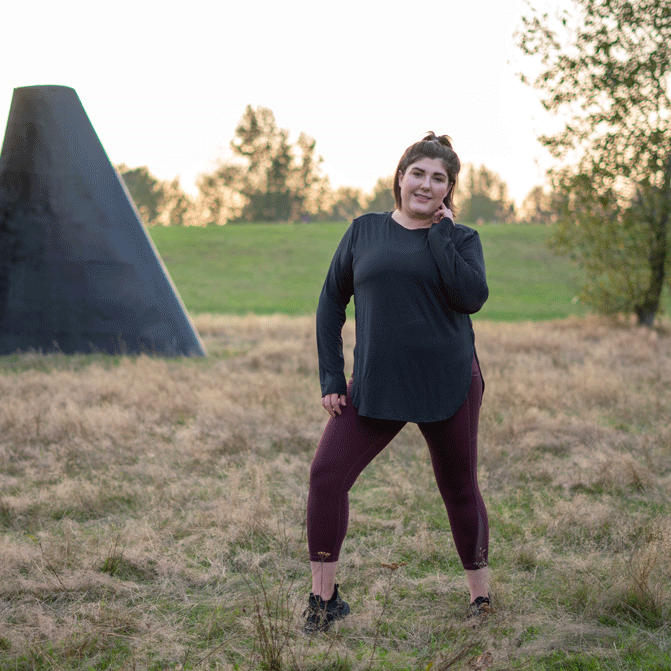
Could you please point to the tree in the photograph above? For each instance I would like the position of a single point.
(486, 196)
(382, 197)
(145, 189)
(310, 187)
(159, 203)
(348, 202)
(607, 70)
(268, 158)
(539, 206)
(176, 207)
(269, 179)
(220, 199)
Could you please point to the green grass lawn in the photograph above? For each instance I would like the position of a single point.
(526, 280)
(268, 268)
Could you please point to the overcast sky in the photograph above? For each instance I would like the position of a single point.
(165, 83)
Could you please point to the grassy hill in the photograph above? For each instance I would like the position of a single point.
(269, 268)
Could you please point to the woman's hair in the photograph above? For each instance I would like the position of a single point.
(430, 146)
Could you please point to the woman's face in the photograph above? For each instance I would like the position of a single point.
(424, 185)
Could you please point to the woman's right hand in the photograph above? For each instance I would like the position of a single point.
(332, 402)
(442, 212)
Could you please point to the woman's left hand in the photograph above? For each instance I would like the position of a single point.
(442, 212)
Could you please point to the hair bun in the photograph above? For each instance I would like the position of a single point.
(445, 140)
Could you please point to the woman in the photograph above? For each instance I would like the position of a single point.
(415, 277)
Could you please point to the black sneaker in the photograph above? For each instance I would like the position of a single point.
(481, 608)
(320, 614)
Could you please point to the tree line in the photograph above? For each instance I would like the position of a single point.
(271, 179)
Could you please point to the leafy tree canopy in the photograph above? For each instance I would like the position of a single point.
(145, 190)
(280, 181)
(484, 196)
(539, 207)
(606, 69)
(158, 202)
(382, 197)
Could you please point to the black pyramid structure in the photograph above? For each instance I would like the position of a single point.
(78, 272)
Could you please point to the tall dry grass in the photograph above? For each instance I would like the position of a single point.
(152, 511)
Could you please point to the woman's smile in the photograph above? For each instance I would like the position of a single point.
(424, 185)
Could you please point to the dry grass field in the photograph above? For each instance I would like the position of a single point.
(152, 511)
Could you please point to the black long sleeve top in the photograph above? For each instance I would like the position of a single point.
(414, 290)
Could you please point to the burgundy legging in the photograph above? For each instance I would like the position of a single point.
(351, 442)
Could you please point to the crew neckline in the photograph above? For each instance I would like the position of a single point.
(405, 228)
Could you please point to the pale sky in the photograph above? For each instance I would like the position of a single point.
(165, 83)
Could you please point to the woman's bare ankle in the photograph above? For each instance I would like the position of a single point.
(478, 584)
(323, 579)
